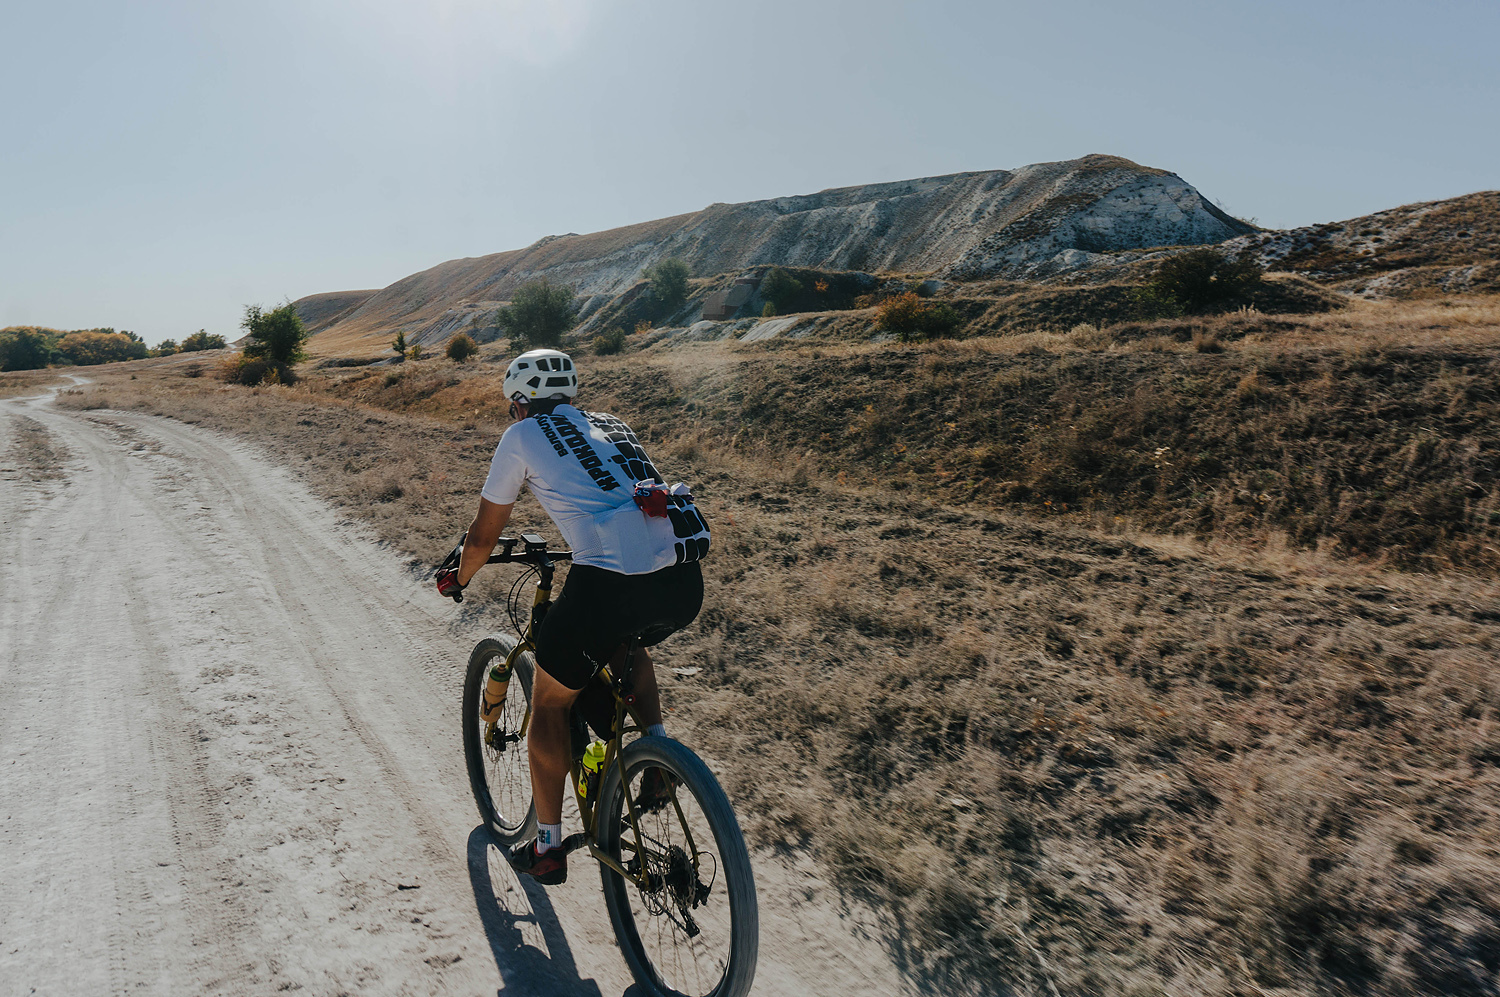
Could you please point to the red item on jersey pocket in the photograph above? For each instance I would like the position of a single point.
(651, 497)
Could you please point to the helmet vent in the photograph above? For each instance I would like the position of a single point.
(534, 382)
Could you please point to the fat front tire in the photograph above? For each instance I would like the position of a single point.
(706, 948)
(499, 770)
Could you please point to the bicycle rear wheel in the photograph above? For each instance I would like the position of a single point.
(694, 930)
(499, 771)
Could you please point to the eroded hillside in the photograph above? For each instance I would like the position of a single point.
(1018, 223)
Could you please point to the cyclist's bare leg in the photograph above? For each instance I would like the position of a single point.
(643, 683)
(548, 744)
(550, 741)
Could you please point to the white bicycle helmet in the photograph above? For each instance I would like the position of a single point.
(541, 374)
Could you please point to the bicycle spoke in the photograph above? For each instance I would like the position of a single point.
(507, 770)
(684, 922)
(499, 768)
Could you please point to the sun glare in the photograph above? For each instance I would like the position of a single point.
(533, 31)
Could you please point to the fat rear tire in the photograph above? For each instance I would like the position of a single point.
(735, 881)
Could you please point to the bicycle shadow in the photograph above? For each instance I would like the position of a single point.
(525, 968)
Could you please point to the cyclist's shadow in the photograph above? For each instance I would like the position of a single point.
(524, 967)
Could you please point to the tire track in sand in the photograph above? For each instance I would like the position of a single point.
(265, 764)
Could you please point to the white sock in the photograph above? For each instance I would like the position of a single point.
(548, 837)
(657, 730)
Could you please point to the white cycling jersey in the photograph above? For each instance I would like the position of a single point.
(583, 467)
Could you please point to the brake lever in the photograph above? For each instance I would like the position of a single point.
(454, 556)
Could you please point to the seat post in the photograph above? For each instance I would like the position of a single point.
(625, 674)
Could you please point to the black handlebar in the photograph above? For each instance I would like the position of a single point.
(534, 552)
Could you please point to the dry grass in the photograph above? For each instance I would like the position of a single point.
(26, 382)
(1069, 755)
(1367, 429)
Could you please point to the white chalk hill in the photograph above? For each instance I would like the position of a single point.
(1032, 222)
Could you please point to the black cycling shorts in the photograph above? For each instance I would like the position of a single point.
(599, 609)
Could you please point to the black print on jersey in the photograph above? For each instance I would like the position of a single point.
(568, 435)
(692, 550)
(689, 527)
(551, 435)
(685, 521)
(631, 458)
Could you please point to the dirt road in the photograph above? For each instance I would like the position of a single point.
(230, 756)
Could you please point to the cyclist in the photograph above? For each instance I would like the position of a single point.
(635, 544)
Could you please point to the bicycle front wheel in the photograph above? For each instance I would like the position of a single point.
(499, 770)
(692, 926)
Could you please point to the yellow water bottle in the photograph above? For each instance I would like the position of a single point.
(593, 761)
(493, 701)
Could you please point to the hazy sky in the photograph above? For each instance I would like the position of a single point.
(163, 164)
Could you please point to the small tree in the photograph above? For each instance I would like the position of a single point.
(461, 347)
(669, 282)
(781, 289)
(415, 352)
(538, 314)
(201, 340)
(275, 335)
(165, 348)
(398, 345)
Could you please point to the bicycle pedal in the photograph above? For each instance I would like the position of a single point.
(574, 841)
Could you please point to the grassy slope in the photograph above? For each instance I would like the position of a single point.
(1161, 765)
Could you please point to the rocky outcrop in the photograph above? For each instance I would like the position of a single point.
(1032, 222)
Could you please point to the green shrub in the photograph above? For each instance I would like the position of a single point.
(275, 335)
(612, 341)
(201, 340)
(253, 371)
(398, 345)
(538, 314)
(461, 347)
(1198, 281)
(415, 352)
(911, 318)
(941, 320)
(165, 348)
(780, 288)
(768, 311)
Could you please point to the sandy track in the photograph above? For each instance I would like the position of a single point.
(230, 759)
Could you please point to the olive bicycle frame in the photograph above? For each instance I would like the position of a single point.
(543, 560)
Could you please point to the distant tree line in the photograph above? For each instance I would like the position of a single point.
(29, 347)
